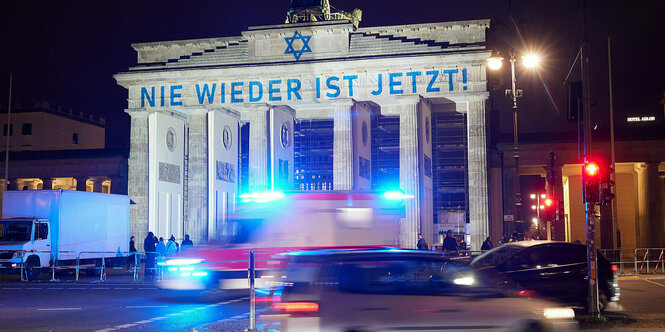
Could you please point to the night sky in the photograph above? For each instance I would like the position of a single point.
(65, 52)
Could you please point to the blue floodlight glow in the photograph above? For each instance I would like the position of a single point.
(396, 195)
(183, 261)
(186, 274)
(200, 274)
(262, 197)
(173, 268)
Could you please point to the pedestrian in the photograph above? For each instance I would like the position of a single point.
(131, 259)
(149, 248)
(422, 243)
(171, 246)
(160, 248)
(487, 244)
(186, 243)
(450, 244)
(502, 240)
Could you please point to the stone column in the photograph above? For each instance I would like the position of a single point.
(96, 184)
(477, 173)
(409, 170)
(13, 184)
(197, 182)
(81, 183)
(118, 185)
(258, 147)
(343, 144)
(47, 183)
(137, 185)
(654, 211)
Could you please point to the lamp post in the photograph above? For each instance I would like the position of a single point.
(495, 63)
(538, 207)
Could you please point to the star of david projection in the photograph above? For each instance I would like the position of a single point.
(305, 47)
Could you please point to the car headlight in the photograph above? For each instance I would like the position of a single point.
(464, 281)
(559, 313)
(18, 254)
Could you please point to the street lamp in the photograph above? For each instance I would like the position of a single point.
(495, 63)
(546, 203)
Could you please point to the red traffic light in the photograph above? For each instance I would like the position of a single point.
(591, 169)
(548, 202)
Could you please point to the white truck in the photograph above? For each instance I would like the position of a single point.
(40, 228)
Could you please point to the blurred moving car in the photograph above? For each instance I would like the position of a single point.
(274, 223)
(396, 289)
(556, 270)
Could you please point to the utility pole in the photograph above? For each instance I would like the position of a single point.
(591, 207)
(613, 171)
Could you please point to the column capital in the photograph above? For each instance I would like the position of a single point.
(228, 111)
(343, 102)
(198, 110)
(409, 99)
(137, 112)
(258, 107)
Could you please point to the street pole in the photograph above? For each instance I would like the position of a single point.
(516, 151)
(9, 122)
(590, 207)
(613, 172)
(9, 115)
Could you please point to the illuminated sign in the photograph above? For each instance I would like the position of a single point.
(641, 119)
(294, 89)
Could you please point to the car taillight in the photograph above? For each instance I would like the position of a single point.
(526, 293)
(296, 308)
(615, 268)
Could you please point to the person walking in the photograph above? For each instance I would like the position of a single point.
(131, 259)
(422, 243)
(186, 243)
(171, 246)
(450, 244)
(149, 248)
(160, 248)
(487, 244)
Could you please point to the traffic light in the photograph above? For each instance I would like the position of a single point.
(591, 182)
(606, 185)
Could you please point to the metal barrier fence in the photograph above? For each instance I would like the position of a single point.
(17, 260)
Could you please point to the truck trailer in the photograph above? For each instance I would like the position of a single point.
(40, 229)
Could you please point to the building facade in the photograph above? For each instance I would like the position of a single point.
(52, 148)
(211, 118)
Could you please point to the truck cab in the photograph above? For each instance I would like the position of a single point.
(25, 242)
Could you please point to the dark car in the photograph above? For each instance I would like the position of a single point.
(555, 270)
(345, 290)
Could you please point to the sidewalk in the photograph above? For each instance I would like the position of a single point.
(642, 276)
(113, 276)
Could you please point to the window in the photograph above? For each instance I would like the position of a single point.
(75, 138)
(11, 130)
(403, 277)
(27, 129)
(41, 231)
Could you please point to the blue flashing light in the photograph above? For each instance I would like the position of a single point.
(186, 274)
(187, 268)
(262, 197)
(173, 268)
(396, 195)
(200, 274)
(183, 261)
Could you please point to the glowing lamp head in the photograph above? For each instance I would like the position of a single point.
(591, 169)
(531, 60)
(533, 196)
(548, 202)
(494, 63)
